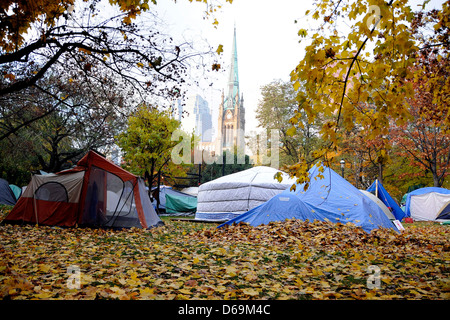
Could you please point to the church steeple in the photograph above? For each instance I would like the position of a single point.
(231, 126)
(233, 78)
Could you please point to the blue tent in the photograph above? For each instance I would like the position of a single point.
(329, 199)
(6, 194)
(378, 189)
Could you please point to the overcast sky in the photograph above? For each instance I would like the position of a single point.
(267, 42)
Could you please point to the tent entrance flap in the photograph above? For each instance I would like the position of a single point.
(109, 201)
(444, 213)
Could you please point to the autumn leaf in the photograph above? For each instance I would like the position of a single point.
(251, 291)
(291, 259)
(291, 131)
(219, 49)
(302, 33)
(216, 66)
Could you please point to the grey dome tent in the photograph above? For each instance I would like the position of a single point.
(232, 195)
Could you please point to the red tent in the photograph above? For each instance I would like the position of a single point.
(94, 193)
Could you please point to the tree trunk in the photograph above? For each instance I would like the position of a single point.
(158, 191)
(380, 172)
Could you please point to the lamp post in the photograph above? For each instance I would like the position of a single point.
(342, 162)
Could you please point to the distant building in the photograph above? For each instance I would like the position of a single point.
(196, 118)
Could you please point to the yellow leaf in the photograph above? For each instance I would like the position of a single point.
(126, 20)
(176, 285)
(302, 33)
(251, 292)
(231, 271)
(140, 64)
(44, 268)
(309, 290)
(44, 295)
(291, 131)
(147, 292)
(181, 297)
(196, 260)
(221, 289)
(251, 277)
(184, 291)
(219, 49)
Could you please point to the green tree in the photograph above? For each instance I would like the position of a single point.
(147, 144)
(274, 111)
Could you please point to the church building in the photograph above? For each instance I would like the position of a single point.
(231, 125)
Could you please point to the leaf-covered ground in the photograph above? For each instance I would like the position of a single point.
(184, 260)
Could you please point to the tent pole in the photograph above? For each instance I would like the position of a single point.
(35, 210)
(376, 188)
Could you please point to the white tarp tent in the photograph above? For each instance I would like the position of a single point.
(426, 203)
(229, 196)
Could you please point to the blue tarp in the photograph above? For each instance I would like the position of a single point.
(329, 199)
(419, 192)
(386, 198)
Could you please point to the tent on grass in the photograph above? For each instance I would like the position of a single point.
(182, 203)
(426, 204)
(229, 196)
(329, 199)
(175, 202)
(95, 193)
(381, 193)
(6, 194)
(16, 190)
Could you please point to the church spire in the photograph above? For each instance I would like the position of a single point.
(233, 78)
